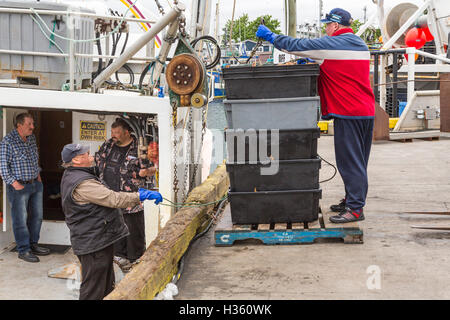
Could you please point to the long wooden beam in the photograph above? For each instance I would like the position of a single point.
(160, 261)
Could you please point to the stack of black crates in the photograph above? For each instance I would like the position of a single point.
(272, 113)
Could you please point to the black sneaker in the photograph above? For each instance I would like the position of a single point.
(348, 215)
(28, 257)
(338, 207)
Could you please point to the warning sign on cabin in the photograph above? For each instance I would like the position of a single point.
(93, 130)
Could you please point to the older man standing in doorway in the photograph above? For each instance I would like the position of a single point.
(20, 170)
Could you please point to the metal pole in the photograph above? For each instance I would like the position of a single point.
(411, 63)
(292, 31)
(383, 83)
(81, 14)
(394, 84)
(140, 43)
(231, 28)
(375, 77)
(171, 33)
(71, 27)
(366, 25)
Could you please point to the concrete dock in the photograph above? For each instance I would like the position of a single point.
(395, 261)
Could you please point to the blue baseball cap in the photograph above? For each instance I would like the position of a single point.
(72, 150)
(338, 15)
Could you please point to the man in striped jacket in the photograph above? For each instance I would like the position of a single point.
(346, 96)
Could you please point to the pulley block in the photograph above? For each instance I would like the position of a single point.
(198, 100)
(184, 74)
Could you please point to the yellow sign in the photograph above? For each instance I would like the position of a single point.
(93, 130)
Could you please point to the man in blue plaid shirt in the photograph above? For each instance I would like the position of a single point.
(19, 169)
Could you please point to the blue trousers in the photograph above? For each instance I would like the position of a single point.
(352, 143)
(26, 214)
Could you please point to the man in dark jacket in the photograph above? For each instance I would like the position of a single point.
(120, 169)
(94, 220)
(346, 96)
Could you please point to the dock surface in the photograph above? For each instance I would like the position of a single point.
(394, 262)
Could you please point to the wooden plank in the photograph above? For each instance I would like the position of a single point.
(160, 261)
(242, 227)
(264, 227)
(298, 226)
(381, 124)
(441, 213)
(280, 226)
(329, 224)
(68, 271)
(414, 135)
(314, 224)
(445, 102)
(432, 227)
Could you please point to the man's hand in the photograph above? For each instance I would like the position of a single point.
(17, 186)
(147, 172)
(265, 33)
(145, 194)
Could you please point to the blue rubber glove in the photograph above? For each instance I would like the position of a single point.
(145, 194)
(265, 33)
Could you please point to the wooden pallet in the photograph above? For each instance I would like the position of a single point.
(429, 135)
(227, 233)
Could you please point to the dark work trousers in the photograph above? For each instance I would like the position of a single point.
(352, 143)
(133, 246)
(97, 274)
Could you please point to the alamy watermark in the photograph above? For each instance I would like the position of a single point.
(374, 280)
(242, 146)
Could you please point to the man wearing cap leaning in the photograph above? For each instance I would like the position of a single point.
(94, 219)
(346, 96)
(20, 170)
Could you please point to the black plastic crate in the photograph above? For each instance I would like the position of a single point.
(299, 174)
(264, 82)
(291, 143)
(274, 206)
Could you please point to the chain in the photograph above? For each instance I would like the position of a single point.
(175, 173)
(160, 7)
(187, 152)
(258, 44)
(182, 25)
(194, 171)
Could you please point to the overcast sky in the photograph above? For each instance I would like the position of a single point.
(307, 10)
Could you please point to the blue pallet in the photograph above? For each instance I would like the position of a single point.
(226, 233)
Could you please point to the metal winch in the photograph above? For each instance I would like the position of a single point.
(186, 78)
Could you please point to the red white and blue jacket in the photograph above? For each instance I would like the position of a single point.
(343, 83)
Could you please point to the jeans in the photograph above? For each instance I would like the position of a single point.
(26, 214)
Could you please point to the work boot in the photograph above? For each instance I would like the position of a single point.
(39, 251)
(338, 207)
(28, 257)
(123, 263)
(348, 215)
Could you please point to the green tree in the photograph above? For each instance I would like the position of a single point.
(243, 29)
(370, 36)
